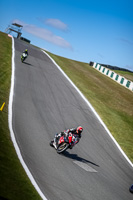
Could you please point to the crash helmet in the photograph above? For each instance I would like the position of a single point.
(26, 49)
(79, 130)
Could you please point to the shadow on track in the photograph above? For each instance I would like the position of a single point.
(26, 63)
(76, 157)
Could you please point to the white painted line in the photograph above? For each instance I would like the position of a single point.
(84, 166)
(118, 146)
(11, 128)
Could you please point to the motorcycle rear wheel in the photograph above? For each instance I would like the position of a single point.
(22, 59)
(62, 147)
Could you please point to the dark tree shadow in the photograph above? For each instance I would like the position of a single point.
(76, 157)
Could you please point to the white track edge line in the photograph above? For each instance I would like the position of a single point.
(109, 133)
(11, 128)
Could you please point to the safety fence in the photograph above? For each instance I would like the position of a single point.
(111, 74)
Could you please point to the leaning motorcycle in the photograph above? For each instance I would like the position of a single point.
(63, 143)
(23, 57)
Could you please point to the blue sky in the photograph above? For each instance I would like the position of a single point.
(82, 30)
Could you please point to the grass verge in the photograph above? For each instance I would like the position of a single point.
(14, 183)
(112, 102)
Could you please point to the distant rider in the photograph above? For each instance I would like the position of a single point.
(24, 55)
(74, 132)
(26, 51)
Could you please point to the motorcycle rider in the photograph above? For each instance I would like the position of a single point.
(24, 55)
(26, 51)
(74, 132)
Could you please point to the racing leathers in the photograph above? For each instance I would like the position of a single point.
(26, 52)
(68, 133)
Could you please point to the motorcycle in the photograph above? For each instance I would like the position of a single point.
(23, 57)
(63, 143)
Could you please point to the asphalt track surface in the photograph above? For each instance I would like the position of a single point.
(44, 103)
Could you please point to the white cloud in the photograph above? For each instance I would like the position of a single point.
(57, 24)
(44, 34)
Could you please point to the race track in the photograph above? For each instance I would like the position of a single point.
(45, 103)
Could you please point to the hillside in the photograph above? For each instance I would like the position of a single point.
(112, 102)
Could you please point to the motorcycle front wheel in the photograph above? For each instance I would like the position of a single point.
(62, 147)
(22, 59)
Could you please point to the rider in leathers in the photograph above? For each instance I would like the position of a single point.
(74, 132)
(26, 51)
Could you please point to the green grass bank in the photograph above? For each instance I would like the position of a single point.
(14, 183)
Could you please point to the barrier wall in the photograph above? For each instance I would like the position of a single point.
(116, 77)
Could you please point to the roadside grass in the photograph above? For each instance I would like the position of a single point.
(112, 102)
(14, 183)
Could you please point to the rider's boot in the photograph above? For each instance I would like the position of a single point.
(55, 142)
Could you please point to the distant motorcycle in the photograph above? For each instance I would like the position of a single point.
(63, 143)
(23, 57)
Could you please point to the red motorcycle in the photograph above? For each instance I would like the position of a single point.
(63, 143)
